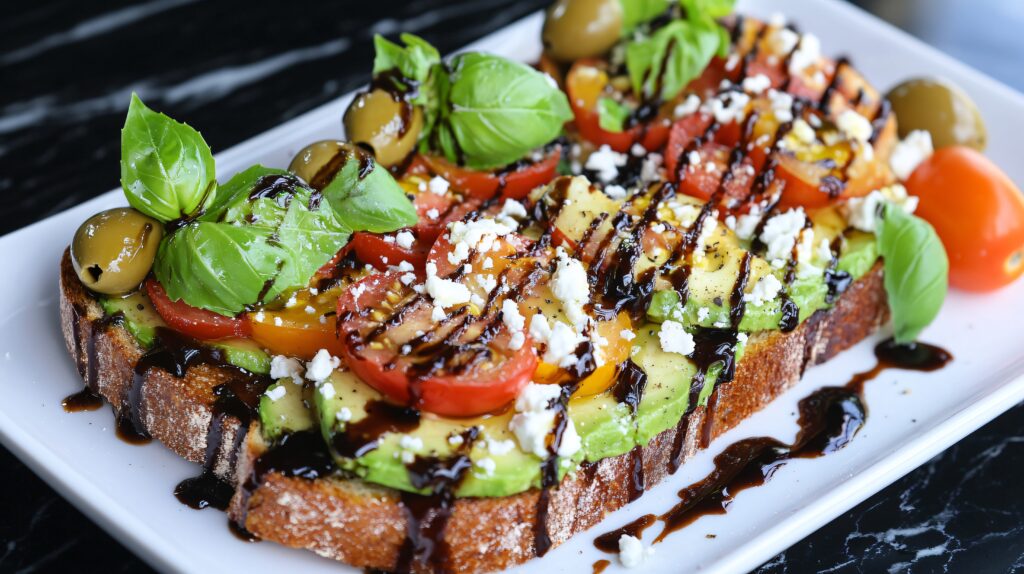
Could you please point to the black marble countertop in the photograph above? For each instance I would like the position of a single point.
(236, 69)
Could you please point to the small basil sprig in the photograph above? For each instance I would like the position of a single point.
(494, 111)
(269, 235)
(636, 12)
(415, 60)
(661, 65)
(167, 170)
(916, 271)
(366, 198)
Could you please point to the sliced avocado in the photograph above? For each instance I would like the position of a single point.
(287, 413)
(245, 354)
(141, 320)
(712, 281)
(139, 317)
(514, 470)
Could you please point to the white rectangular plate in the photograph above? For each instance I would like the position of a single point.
(128, 489)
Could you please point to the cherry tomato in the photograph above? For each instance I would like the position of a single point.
(699, 180)
(382, 250)
(472, 373)
(585, 83)
(514, 184)
(977, 212)
(300, 330)
(193, 321)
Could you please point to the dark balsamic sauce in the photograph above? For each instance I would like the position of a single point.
(829, 419)
(89, 398)
(382, 417)
(609, 542)
(83, 400)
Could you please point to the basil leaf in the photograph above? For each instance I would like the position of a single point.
(689, 45)
(414, 61)
(916, 271)
(662, 64)
(167, 170)
(268, 235)
(635, 12)
(612, 115)
(499, 110)
(366, 198)
(712, 9)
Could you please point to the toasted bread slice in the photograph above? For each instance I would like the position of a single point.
(365, 525)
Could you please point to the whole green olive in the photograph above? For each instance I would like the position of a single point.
(113, 251)
(575, 29)
(390, 127)
(941, 109)
(318, 162)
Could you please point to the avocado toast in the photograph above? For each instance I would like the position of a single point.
(559, 345)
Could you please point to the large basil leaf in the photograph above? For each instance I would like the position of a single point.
(499, 110)
(916, 271)
(167, 170)
(689, 45)
(366, 198)
(635, 12)
(268, 235)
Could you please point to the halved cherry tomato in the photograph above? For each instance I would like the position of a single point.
(514, 184)
(585, 84)
(383, 250)
(473, 374)
(978, 213)
(614, 352)
(295, 331)
(699, 180)
(193, 321)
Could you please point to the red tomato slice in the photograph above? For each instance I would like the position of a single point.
(516, 183)
(382, 250)
(585, 84)
(193, 321)
(471, 374)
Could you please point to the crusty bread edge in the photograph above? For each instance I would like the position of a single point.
(364, 525)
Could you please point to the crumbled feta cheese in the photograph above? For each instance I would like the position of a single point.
(685, 213)
(690, 105)
(606, 163)
(260, 316)
(703, 313)
(766, 289)
(445, 292)
(783, 41)
(742, 337)
(511, 316)
(693, 158)
(650, 169)
(433, 213)
(632, 552)
(344, 415)
(327, 390)
(569, 284)
(658, 228)
(627, 334)
(407, 278)
(278, 322)
(500, 447)
(561, 344)
(282, 367)
(535, 418)
(540, 331)
(516, 341)
(456, 440)
(276, 393)
(488, 263)
(437, 314)
(780, 233)
(615, 192)
(854, 126)
(637, 150)
(405, 239)
(309, 310)
(728, 107)
(782, 105)
(708, 227)
(413, 443)
(487, 465)
(862, 212)
(479, 234)
(803, 131)
(807, 54)
(389, 239)
(438, 185)
(732, 62)
(513, 208)
(909, 153)
(487, 282)
(322, 365)
(675, 339)
(757, 84)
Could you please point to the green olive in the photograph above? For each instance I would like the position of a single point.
(318, 162)
(940, 108)
(390, 127)
(575, 29)
(113, 251)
